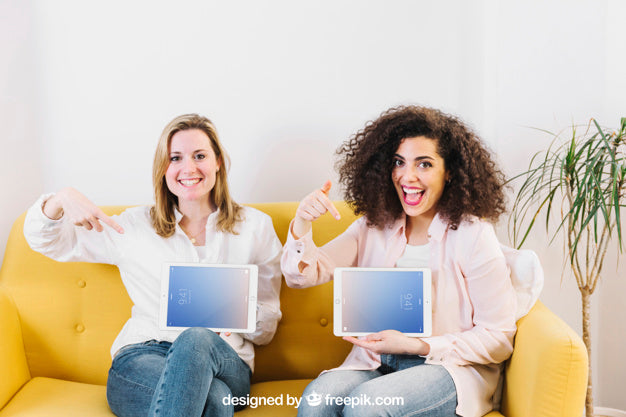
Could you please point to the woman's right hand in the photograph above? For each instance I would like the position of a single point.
(78, 210)
(311, 208)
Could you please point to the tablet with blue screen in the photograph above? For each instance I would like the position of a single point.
(369, 300)
(221, 297)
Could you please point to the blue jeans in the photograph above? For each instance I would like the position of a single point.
(190, 377)
(402, 386)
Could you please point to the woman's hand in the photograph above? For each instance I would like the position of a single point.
(391, 342)
(311, 208)
(78, 210)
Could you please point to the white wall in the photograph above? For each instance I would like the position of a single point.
(21, 175)
(86, 88)
(611, 324)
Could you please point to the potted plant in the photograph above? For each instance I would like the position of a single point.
(578, 187)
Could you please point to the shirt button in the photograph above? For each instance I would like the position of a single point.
(323, 322)
(81, 283)
(80, 328)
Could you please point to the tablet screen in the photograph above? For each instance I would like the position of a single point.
(372, 300)
(219, 297)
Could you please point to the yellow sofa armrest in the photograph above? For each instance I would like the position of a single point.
(13, 363)
(547, 373)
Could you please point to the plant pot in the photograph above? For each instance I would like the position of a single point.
(608, 412)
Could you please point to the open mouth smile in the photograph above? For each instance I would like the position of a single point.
(413, 195)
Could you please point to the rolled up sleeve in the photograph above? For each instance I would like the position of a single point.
(305, 265)
(64, 242)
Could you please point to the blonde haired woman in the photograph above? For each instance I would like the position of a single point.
(194, 219)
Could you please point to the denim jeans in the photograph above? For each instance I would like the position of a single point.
(189, 377)
(402, 386)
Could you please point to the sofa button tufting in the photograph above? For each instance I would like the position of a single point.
(80, 328)
(81, 283)
(324, 322)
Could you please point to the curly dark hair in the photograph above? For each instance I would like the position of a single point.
(475, 185)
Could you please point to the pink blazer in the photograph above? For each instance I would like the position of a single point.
(474, 302)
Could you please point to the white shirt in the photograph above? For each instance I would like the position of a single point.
(139, 254)
(414, 256)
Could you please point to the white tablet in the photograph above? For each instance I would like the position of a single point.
(369, 300)
(221, 297)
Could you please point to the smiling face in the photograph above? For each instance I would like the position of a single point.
(192, 169)
(419, 176)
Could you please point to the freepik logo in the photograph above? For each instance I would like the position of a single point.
(363, 400)
(313, 400)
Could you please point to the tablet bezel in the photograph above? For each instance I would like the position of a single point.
(338, 296)
(253, 278)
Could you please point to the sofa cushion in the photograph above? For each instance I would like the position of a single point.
(69, 312)
(304, 344)
(548, 368)
(50, 397)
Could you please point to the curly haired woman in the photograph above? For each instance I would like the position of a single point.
(427, 189)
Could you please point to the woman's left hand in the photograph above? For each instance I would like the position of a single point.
(391, 342)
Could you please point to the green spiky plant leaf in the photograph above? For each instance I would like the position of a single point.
(581, 177)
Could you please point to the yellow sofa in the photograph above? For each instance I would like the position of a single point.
(57, 323)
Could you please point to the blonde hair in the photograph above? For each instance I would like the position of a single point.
(163, 212)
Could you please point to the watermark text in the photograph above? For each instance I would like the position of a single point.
(312, 400)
